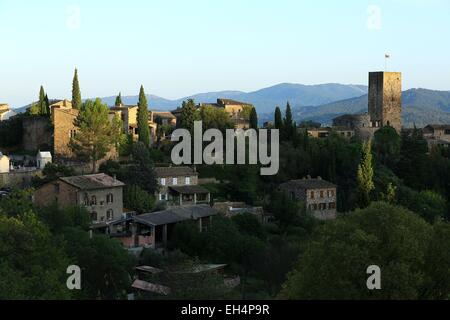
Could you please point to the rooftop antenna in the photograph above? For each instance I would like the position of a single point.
(387, 56)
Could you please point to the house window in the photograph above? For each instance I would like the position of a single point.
(175, 181)
(110, 198)
(93, 201)
(312, 194)
(188, 180)
(163, 181)
(94, 216)
(109, 215)
(321, 194)
(162, 197)
(86, 199)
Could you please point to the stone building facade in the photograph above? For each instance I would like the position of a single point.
(64, 129)
(178, 186)
(100, 194)
(319, 196)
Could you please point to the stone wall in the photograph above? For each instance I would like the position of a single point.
(37, 134)
(19, 179)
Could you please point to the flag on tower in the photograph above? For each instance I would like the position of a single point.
(387, 55)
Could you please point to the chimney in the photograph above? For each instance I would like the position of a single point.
(319, 178)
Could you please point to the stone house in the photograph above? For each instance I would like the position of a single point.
(100, 194)
(318, 195)
(326, 132)
(437, 134)
(154, 230)
(178, 186)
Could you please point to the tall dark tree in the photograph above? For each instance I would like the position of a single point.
(47, 104)
(288, 122)
(143, 128)
(76, 93)
(253, 119)
(42, 104)
(278, 119)
(118, 100)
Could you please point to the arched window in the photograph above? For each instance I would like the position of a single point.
(110, 198)
(109, 215)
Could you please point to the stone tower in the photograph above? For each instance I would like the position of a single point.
(385, 99)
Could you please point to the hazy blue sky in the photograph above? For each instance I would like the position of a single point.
(179, 47)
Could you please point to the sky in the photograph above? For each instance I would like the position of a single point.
(177, 48)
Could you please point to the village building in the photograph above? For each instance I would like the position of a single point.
(437, 135)
(178, 186)
(235, 109)
(42, 158)
(154, 230)
(60, 104)
(319, 196)
(128, 114)
(5, 112)
(325, 132)
(100, 194)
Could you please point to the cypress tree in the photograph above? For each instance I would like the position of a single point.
(47, 104)
(118, 100)
(76, 93)
(278, 119)
(288, 122)
(42, 104)
(253, 119)
(143, 128)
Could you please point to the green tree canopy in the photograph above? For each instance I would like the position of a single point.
(335, 263)
(188, 115)
(96, 135)
(365, 175)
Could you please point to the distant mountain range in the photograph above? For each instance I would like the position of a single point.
(319, 103)
(265, 100)
(420, 107)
